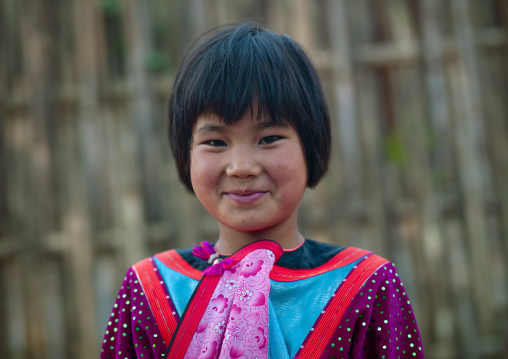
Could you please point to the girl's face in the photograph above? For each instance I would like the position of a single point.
(250, 175)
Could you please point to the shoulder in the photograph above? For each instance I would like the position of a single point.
(172, 257)
(380, 309)
(179, 260)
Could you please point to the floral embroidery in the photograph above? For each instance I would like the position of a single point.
(235, 332)
(230, 284)
(270, 255)
(220, 327)
(246, 295)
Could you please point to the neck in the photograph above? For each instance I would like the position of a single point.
(231, 240)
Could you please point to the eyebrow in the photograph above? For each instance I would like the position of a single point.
(267, 124)
(212, 127)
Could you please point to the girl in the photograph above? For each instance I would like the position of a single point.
(249, 129)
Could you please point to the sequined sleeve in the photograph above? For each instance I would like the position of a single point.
(131, 331)
(385, 323)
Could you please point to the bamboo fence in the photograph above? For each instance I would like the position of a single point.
(419, 171)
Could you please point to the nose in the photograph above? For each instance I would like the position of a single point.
(243, 163)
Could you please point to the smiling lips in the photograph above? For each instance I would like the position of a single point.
(245, 197)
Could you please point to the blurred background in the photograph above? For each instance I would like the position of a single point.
(417, 91)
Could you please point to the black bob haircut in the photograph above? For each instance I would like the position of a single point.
(223, 74)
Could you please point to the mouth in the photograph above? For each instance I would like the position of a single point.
(245, 196)
(244, 192)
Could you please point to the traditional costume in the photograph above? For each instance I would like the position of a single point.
(317, 301)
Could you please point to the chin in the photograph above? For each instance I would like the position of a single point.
(250, 228)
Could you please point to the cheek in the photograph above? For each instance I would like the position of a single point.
(291, 168)
(203, 172)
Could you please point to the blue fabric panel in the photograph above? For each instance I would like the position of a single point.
(180, 287)
(276, 345)
(312, 294)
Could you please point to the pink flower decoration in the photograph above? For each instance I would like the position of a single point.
(251, 268)
(201, 327)
(236, 351)
(260, 337)
(208, 352)
(235, 313)
(258, 299)
(219, 304)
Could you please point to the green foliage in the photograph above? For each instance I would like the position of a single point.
(433, 139)
(157, 62)
(111, 7)
(395, 150)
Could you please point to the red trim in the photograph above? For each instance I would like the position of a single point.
(174, 261)
(195, 310)
(157, 297)
(334, 311)
(345, 257)
(295, 248)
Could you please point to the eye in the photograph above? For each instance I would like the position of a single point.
(216, 143)
(269, 140)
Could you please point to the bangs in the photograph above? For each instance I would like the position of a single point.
(240, 71)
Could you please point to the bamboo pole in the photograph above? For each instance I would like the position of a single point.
(460, 292)
(301, 25)
(55, 316)
(346, 99)
(436, 88)
(473, 165)
(370, 229)
(494, 76)
(84, 191)
(198, 17)
(15, 146)
(434, 244)
(347, 182)
(149, 157)
(17, 346)
(498, 112)
(37, 204)
(419, 250)
(140, 194)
